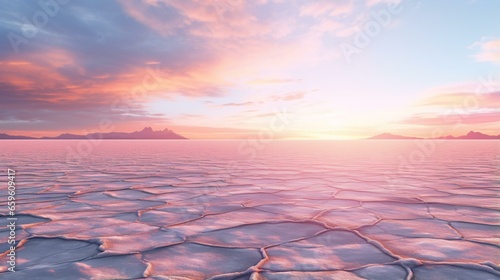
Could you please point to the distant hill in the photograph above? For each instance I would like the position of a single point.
(472, 135)
(7, 136)
(146, 133)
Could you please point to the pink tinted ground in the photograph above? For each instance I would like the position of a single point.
(276, 210)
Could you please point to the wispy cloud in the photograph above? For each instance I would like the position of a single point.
(370, 3)
(452, 100)
(453, 119)
(234, 104)
(459, 108)
(290, 96)
(327, 8)
(270, 81)
(489, 50)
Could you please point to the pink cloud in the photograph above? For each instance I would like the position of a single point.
(234, 104)
(469, 100)
(371, 3)
(489, 51)
(273, 81)
(214, 19)
(236, 44)
(291, 96)
(452, 119)
(326, 8)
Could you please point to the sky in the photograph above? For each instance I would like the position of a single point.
(227, 69)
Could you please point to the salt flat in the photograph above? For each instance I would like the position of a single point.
(288, 210)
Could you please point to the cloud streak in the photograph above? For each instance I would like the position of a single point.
(489, 51)
(453, 119)
(451, 100)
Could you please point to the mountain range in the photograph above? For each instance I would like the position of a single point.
(472, 135)
(146, 133)
(149, 133)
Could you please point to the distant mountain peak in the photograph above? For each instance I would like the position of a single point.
(473, 133)
(7, 136)
(145, 133)
(477, 135)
